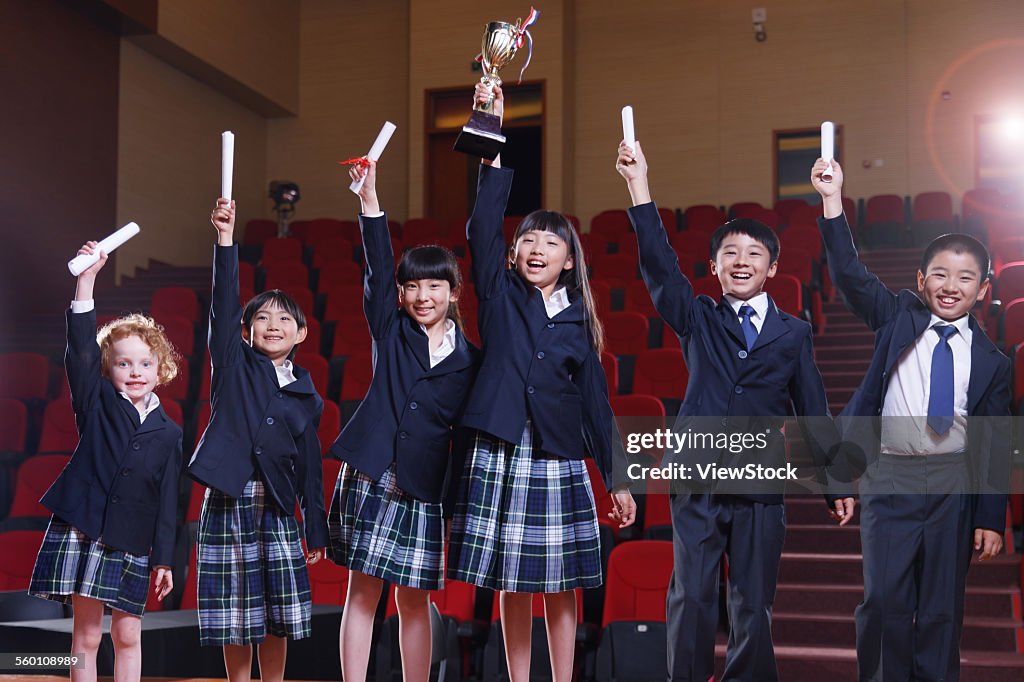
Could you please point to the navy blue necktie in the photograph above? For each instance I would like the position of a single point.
(940, 396)
(749, 330)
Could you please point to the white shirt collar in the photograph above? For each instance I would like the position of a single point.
(149, 403)
(558, 301)
(759, 303)
(447, 343)
(962, 324)
(285, 375)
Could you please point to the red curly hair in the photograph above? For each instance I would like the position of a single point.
(152, 335)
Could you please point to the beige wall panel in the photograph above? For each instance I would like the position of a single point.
(169, 153)
(255, 42)
(354, 76)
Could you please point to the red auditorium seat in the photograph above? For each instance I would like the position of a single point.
(702, 218)
(787, 293)
(692, 249)
(745, 209)
(594, 245)
(668, 219)
(1013, 323)
(281, 250)
(1018, 377)
(313, 333)
(669, 339)
(797, 262)
(766, 216)
(884, 222)
(619, 269)
(633, 635)
(205, 377)
(350, 339)
(328, 583)
(297, 229)
(174, 302)
(602, 292)
(637, 405)
(195, 503)
(286, 275)
(1004, 252)
(626, 333)
(18, 558)
(803, 237)
(611, 224)
(661, 372)
(316, 365)
(509, 225)
(932, 215)
(417, 231)
(331, 469)
(178, 388)
(707, 286)
(357, 377)
(320, 230)
(345, 300)
(610, 364)
(850, 209)
(978, 206)
(805, 216)
(13, 425)
(575, 222)
(1010, 282)
(339, 274)
(258, 231)
(173, 410)
(60, 432)
(784, 208)
(332, 253)
(34, 478)
(638, 299)
(246, 275)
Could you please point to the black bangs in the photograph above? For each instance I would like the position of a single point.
(429, 262)
(547, 221)
(274, 298)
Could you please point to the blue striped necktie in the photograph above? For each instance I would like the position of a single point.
(940, 396)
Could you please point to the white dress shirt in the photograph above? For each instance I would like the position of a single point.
(759, 303)
(905, 405)
(447, 343)
(558, 301)
(285, 375)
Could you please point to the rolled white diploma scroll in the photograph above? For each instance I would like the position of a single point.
(383, 137)
(627, 127)
(828, 138)
(227, 163)
(79, 263)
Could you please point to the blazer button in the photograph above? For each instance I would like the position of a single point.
(531, 390)
(270, 420)
(124, 472)
(413, 405)
(551, 325)
(742, 355)
(115, 499)
(258, 451)
(280, 395)
(540, 355)
(136, 445)
(725, 421)
(739, 390)
(403, 435)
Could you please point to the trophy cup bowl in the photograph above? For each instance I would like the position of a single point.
(481, 136)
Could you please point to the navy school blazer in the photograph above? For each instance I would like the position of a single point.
(898, 320)
(533, 366)
(255, 425)
(409, 413)
(121, 484)
(731, 389)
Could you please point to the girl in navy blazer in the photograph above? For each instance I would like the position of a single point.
(386, 521)
(115, 503)
(259, 453)
(525, 521)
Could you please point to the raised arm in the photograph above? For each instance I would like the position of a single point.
(484, 231)
(379, 294)
(82, 360)
(225, 308)
(670, 290)
(864, 293)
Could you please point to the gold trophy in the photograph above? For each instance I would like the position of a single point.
(481, 136)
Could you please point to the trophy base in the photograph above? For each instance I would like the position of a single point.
(481, 136)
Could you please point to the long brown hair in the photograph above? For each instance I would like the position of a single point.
(576, 279)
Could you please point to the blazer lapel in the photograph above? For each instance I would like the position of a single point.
(984, 363)
(416, 341)
(773, 326)
(457, 360)
(156, 421)
(731, 322)
(903, 336)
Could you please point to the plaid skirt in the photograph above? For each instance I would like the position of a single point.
(252, 570)
(525, 521)
(378, 529)
(70, 563)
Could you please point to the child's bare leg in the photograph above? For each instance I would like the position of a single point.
(516, 626)
(414, 633)
(86, 633)
(238, 662)
(272, 654)
(357, 625)
(560, 618)
(126, 633)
